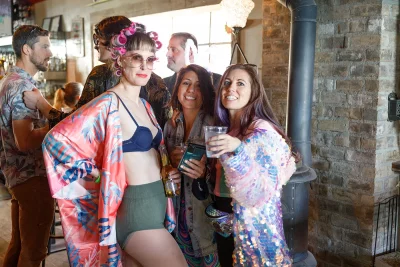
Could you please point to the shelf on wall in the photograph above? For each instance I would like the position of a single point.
(55, 75)
(7, 40)
(96, 2)
(57, 35)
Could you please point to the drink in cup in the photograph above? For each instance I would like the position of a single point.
(210, 131)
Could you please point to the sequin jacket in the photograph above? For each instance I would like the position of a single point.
(255, 173)
(90, 139)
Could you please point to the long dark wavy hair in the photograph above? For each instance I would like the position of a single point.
(257, 107)
(205, 84)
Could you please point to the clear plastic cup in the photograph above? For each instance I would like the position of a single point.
(210, 131)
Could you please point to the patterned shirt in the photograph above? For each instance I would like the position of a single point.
(102, 78)
(18, 166)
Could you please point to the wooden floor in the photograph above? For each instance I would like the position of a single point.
(58, 259)
(388, 260)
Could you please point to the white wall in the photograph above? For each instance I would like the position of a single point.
(251, 35)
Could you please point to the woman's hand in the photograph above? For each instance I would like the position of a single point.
(175, 115)
(31, 98)
(95, 173)
(94, 176)
(195, 168)
(223, 143)
(176, 156)
(175, 176)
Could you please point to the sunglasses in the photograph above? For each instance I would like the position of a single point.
(253, 66)
(137, 61)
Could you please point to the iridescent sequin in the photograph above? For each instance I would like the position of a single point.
(255, 174)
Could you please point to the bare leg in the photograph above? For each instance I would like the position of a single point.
(152, 248)
(128, 261)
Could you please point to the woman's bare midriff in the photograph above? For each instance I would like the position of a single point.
(142, 167)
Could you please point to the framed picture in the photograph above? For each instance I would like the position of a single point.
(77, 47)
(55, 23)
(5, 18)
(46, 24)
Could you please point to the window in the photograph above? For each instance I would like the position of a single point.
(206, 23)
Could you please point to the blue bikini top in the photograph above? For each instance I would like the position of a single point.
(142, 139)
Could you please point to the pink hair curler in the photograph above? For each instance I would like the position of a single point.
(158, 44)
(119, 40)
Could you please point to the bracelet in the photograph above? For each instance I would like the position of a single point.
(98, 179)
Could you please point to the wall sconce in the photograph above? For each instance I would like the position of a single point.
(236, 13)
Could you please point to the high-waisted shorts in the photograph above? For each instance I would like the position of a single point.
(143, 207)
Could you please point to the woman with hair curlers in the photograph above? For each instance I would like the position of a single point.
(106, 158)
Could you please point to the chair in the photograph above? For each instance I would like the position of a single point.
(386, 232)
(53, 246)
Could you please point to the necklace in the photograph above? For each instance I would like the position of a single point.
(124, 95)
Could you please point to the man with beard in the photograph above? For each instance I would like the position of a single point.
(102, 78)
(22, 133)
(182, 51)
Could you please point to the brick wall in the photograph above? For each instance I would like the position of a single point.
(276, 42)
(387, 146)
(386, 143)
(352, 143)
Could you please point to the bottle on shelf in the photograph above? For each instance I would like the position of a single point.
(11, 59)
(15, 10)
(57, 63)
(2, 69)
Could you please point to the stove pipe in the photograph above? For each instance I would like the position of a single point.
(300, 92)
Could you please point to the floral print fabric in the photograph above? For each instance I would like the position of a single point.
(90, 139)
(16, 165)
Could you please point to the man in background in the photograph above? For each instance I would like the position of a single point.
(22, 132)
(182, 51)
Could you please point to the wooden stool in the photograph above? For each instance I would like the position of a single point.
(53, 237)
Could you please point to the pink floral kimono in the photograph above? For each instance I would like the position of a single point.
(90, 139)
